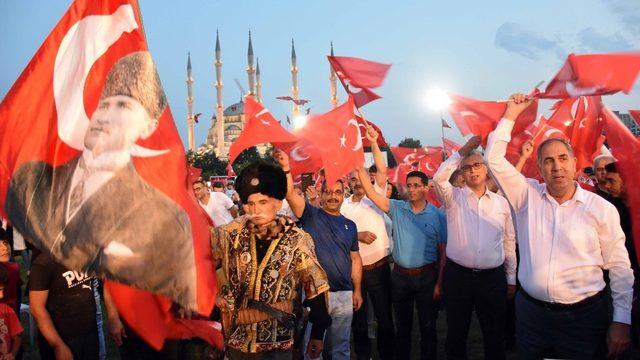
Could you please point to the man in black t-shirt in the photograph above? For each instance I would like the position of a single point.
(63, 304)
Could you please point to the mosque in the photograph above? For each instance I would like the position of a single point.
(227, 123)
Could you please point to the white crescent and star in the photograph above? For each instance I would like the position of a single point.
(295, 154)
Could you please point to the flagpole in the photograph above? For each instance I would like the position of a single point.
(444, 152)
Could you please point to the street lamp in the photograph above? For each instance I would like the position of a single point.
(438, 100)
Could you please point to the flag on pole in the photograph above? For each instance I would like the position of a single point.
(445, 124)
(89, 92)
(359, 76)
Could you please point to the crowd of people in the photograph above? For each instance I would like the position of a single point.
(301, 269)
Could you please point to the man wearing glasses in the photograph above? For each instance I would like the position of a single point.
(336, 245)
(480, 270)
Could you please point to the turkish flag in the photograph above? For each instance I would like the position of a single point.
(563, 115)
(336, 136)
(261, 127)
(359, 76)
(143, 226)
(635, 114)
(363, 133)
(626, 149)
(477, 117)
(426, 160)
(450, 146)
(304, 157)
(594, 74)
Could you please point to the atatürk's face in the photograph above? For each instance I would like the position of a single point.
(118, 122)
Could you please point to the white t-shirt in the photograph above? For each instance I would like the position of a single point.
(368, 217)
(218, 208)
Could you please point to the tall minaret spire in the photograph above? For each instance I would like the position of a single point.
(190, 119)
(251, 71)
(258, 82)
(294, 79)
(332, 83)
(219, 105)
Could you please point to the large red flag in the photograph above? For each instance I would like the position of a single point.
(261, 127)
(594, 74)
(363, 133)
(336, 136)
(450, 146)
(635, 114)
(359, 76)
(426, 160)
(476, 117)
(304, 157)
(141, 225)
(626, 149)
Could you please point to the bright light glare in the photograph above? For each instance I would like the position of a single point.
(437, 99)
(299, 121)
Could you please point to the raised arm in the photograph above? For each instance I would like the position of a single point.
(525, 154)
(296, 202)
(441, 177)
(378, 159)
(511, 182)
(380, 200)
(510, 258)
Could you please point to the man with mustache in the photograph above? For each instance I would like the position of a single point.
(480, 272)
(336, 242)
(267, 259)
(95, 213)
(567, 236)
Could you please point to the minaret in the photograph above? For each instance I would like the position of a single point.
(219, 106)
(258, 82)
(332, 83)
(294, 79)
(251, 71)
(190, 120)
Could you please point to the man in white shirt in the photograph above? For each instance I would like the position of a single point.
(217, 205)
(480, 272)
(374, 248)
(567, 236)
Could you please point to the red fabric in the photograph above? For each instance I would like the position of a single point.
(594, 74)
(626, 149)
(304, 157)
(450, 146)
(336, 136)
(29, 132)
(229, 170)
(13, 286)
(10, 327)
(363, 133)
(635, 115)
(194, 174)
(476, 117)
(426, 160)
(358, 76)
(261, 127)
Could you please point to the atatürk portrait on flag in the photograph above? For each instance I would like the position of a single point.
(95, 213)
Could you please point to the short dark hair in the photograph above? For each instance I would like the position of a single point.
(611, 168)
(419, 174)
(218, 184)
(549, 141)
(323, 188)
(373, 169)
(454, 175)
(198, 181)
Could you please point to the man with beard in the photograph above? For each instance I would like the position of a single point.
(480, 273)
(567, 236)
(375, 253)
(267, 259)
(419, 240)
(336, 242)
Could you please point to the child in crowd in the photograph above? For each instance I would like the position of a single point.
(10, 327)
(13, 287)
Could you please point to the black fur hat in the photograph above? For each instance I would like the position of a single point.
(263, 178)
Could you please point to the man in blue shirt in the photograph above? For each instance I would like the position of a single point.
(336, 245)
(419, 240)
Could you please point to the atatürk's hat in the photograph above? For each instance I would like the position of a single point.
(135, 76)
(263, 178)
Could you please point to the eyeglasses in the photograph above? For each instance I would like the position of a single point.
(474, 166)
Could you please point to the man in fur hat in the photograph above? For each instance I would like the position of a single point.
(95, 213)
(267, 259)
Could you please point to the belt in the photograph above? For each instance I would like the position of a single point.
(563, 307)
(474, 272)
(384, 261)
(258, 311)
(414, 271)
